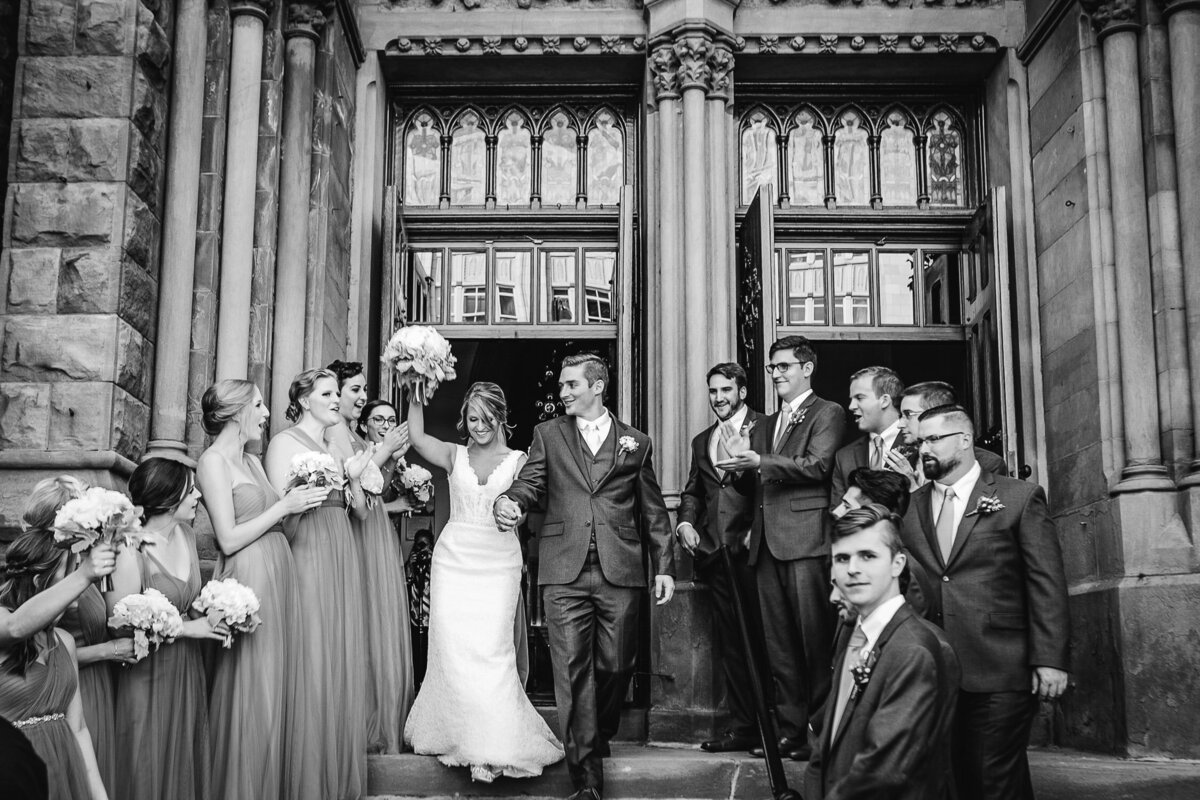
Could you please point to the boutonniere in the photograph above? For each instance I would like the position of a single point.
(861, 672)
(988, 504)
(796, 417)
(627, 444)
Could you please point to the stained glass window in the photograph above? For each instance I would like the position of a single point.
(468, 160)
(559, 159)
(851, 161)
(422, 162)
(898, 162)
(759, 158)
(605, 161)
(513, 159)
(808, 162)
(944, 159)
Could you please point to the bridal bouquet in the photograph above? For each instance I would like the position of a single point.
(421, 358)
(100, 515)
(150, 616)
(230, 602)
(315, 470)
(414, 481)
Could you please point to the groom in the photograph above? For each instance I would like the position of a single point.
(594, 477)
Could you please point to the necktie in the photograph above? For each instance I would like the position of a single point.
(876, 452)
(785, 420)
(858, 640)
(722, 451)
(945, 525)
(591, 435)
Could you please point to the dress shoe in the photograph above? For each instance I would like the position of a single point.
(786, 746)
(586, 793)
(730, 742)
(801, 753)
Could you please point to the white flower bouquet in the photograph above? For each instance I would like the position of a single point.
(421, 359)
(230, 602)
(315, 470)
(100, 515)
(151, 617)
(414, 481)
(371, 479)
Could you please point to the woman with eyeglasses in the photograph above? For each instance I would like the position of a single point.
(379, 424)
(390, 689)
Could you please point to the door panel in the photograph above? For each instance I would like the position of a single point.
(757, 307)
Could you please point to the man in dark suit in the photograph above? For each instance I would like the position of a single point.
(916, 400)
(791, 455)
(716, 510)
(887, 724)
(594, 476)
(875, 404)
(1000, 593)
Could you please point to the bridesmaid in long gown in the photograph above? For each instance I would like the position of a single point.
(162, 702)
(390, 673)
(87, 621)
(39, 683)
(332, 604)
(260, 699)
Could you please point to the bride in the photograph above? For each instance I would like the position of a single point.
(472, 709)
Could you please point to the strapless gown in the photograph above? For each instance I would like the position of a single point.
(87, 621)
(162, 713)
(37, 703)
(472, 708)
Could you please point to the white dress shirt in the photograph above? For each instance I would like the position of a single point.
(962, 494)
(874, 623)
(785, 412)
(733, 424)
(595, 431)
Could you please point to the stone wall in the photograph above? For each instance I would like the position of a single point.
(81, 238)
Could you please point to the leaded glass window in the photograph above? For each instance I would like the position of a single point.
(605, 161)
(559, 159)
(898, 162)
(513, 172)
(945, 162)
(422, 162)
(807, 161)
(760, 161)
(468, 160)
(851, 161)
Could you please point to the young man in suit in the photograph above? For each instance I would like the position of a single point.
(995, 566)
(791, 455)
(714, 510)
(594, 476)
(916, 400)
(887, 725)
(875, 404)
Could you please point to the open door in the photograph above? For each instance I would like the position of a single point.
(394, 302)
(756, 306)
(625, 250)
(987, 316)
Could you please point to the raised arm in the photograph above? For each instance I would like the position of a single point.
(46, 606)
(435, 451)
(529, 489)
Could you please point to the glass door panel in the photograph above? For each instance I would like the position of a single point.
(599, 270)
(425, 286)
(851, 288)
(559, 287)
(805, 284)
(512, 286)
(468, 287)
(897, 288)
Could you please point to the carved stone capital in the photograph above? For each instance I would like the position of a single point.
(306, 18)
(257, 8)
(1113, 16)
(692, 53)
(664, 71)
(720, 72)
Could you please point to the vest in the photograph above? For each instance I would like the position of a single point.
(598, 465)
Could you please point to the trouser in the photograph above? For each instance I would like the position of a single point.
(798, 622)
(991, 732)
(730, 653)
(593, 646)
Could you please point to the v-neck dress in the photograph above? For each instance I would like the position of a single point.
(87, 620)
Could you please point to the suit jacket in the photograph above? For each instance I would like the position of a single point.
(624, 509)
(849, 458)
(1002, 594)
(791, 491)
(893, 740)
(720, 508)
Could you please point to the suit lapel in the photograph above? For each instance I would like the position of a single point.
(703, 456)
(902, 613)
(615, 431)
(923, 497)
(570, 434)
(808, 401)
(985, 485)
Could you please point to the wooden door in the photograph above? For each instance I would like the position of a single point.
(758, 311)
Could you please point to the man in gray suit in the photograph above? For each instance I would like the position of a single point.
(875, 404)
(914, 401)
(594, 476)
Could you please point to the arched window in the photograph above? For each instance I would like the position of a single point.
(851, 161)
(468, 162)
(944, 161)
(559, 160)
(898, 161)
(807, 154)
(422, 162)
(760, 161)
(514, 165)
(605, 161)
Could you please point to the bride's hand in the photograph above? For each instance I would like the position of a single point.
(358, 462)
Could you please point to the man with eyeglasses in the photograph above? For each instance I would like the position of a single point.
(791, 455)
(999, 591)
(914, 401)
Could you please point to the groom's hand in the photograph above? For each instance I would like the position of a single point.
(506, 512)
(664, 589)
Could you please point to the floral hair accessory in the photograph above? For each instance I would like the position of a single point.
(627, 444)
(988, 504)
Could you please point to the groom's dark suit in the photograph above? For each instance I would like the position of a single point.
(601, 510)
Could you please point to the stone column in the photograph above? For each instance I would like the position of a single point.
(302, 26)
(168, 419)
(241, 163)
(1183, 30)
(1117, 23)
(722, 279)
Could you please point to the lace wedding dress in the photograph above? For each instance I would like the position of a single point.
(471, 709)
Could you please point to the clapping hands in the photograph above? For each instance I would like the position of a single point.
(395, 442)
(356, 463)
(737, 444)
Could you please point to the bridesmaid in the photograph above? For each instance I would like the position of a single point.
(162, 714)
(260, 692)
(379, 424)
(332, 604)
(87, 621)
(39, 683)
(390, 673)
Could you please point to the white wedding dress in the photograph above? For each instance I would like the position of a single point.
(472, 709)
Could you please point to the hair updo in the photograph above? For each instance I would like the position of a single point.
(47, 497)
(345, 370)
(29, 566)
(223, 401)
(159, 485)
(490, 398)
(302, 386)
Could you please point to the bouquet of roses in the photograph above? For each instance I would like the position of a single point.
(230, 602)
(414, 481)
(100, 515)
(315, 470)
(421, 358)
(150, 616)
